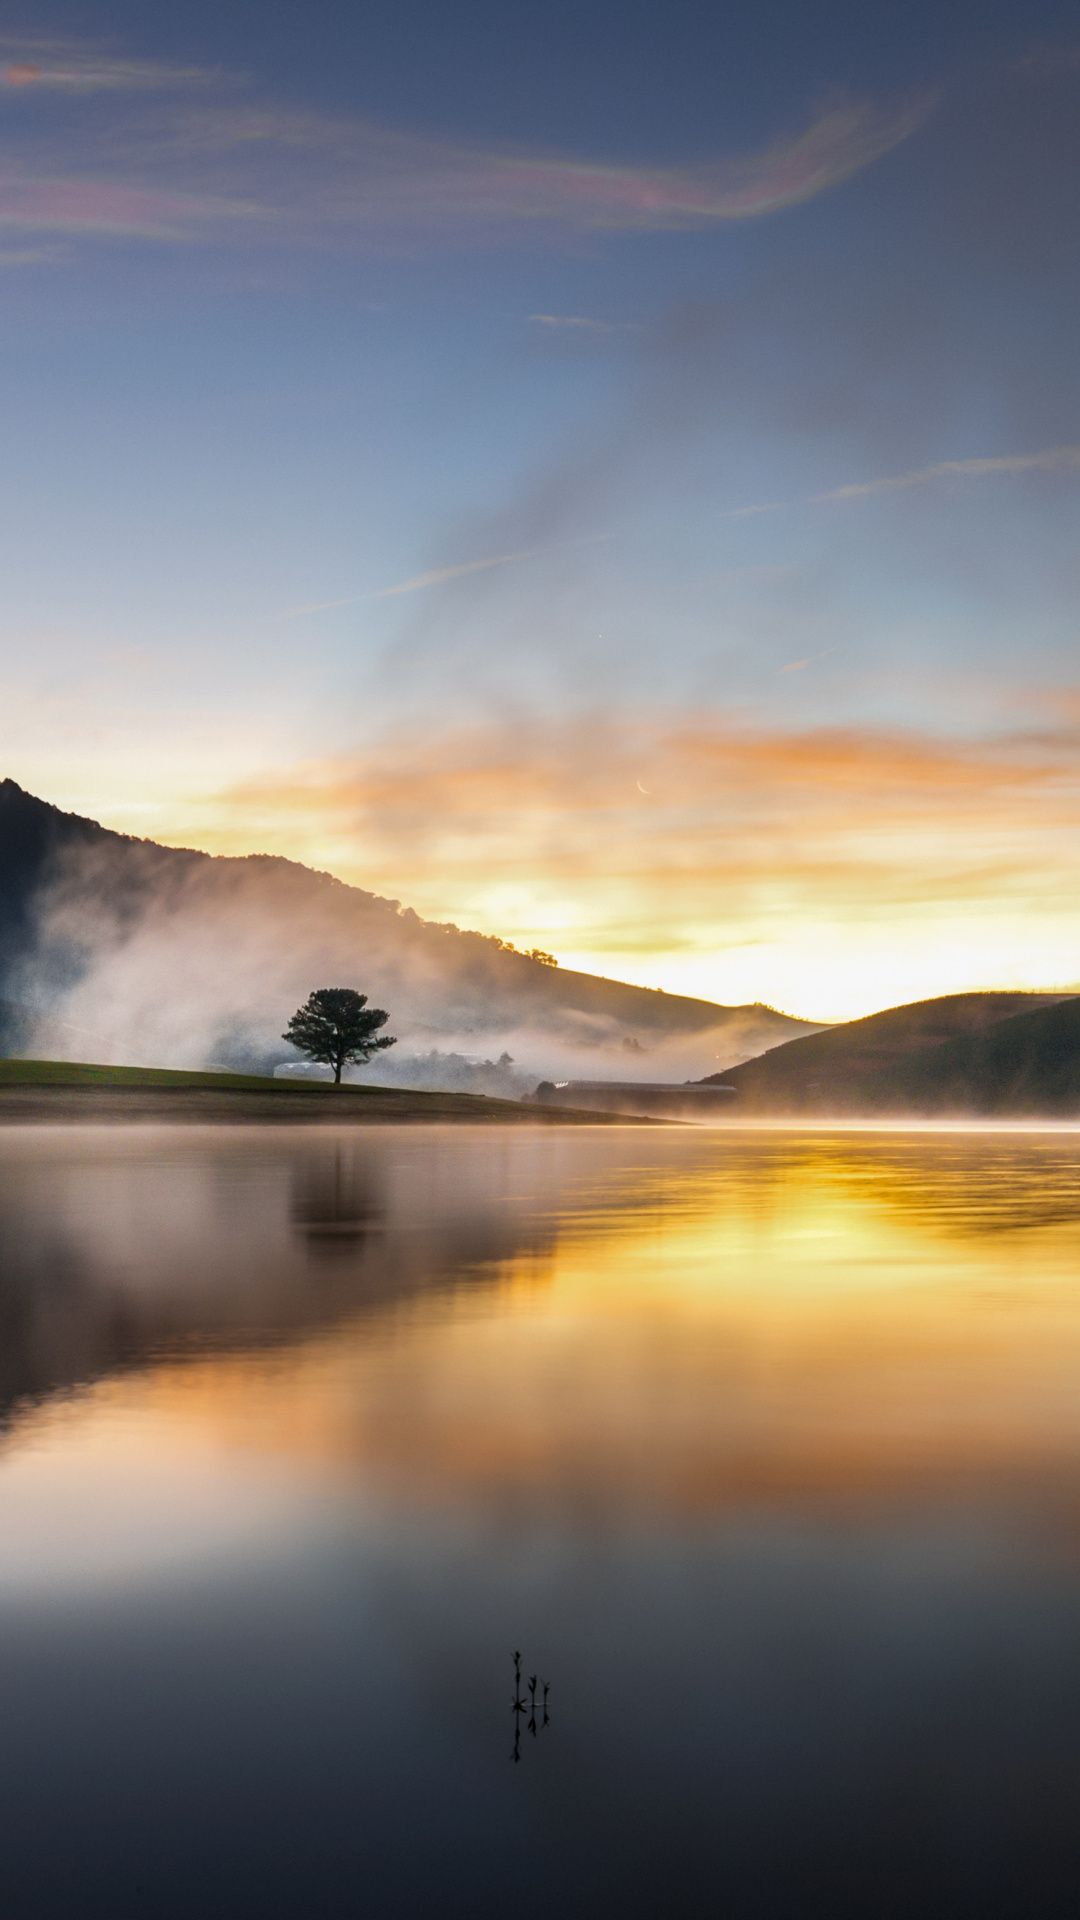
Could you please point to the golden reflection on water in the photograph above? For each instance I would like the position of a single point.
(618, 1326)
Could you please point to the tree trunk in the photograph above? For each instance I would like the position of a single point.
(337, 1073)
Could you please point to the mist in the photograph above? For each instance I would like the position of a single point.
(143, 955)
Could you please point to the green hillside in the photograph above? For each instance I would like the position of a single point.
(1024, 1066)
(960, 1050)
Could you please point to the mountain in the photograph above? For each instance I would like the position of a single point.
(968, 1053)
(123, 950)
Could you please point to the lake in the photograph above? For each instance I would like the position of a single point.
(763, 1448)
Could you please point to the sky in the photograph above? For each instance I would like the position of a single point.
(601, 474)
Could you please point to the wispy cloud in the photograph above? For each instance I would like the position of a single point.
(435, 577)
(68, 66)
(810, 660)
(1047, 460)
(573, 322)
(44, 256)
(1063, 460)
(548, 778)
(758, 506)
(107, 209)
(439, 575)
(211, 144)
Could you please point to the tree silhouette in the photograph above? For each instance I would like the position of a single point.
(336, 1026)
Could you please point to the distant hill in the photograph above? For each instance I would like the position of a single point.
(970, 1053)
(119, 949)
(1024, 1066)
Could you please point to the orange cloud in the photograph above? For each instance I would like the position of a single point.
(563, 769)
(835, 868)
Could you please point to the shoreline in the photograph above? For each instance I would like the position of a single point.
(24, 1102)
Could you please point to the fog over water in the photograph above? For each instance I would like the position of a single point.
(762, 1446)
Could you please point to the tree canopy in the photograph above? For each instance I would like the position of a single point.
(336, 1026)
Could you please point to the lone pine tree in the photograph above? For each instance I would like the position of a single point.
(336, 1026)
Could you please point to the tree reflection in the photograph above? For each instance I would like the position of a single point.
(334, 1204)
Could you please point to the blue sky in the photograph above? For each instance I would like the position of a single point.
(433, 434)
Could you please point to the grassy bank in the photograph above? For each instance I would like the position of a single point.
(83, 1073)
(63, 1090)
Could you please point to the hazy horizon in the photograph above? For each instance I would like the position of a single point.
(256, 853)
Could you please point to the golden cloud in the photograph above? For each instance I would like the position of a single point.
(665, 835)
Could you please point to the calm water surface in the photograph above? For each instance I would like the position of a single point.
(763, 1448)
